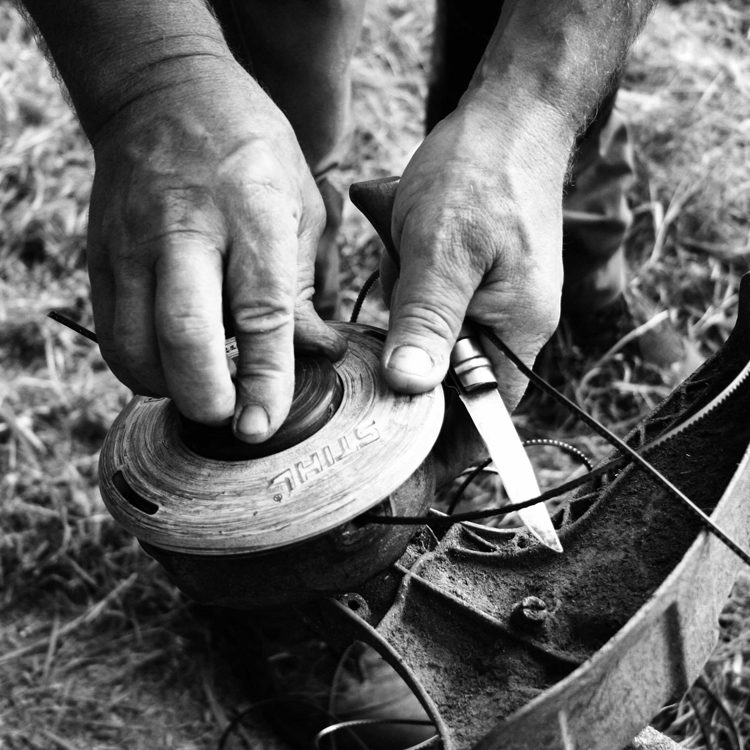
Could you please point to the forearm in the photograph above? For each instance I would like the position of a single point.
(556, 55)
(110, 53)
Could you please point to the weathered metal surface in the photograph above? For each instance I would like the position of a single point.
(632, 603)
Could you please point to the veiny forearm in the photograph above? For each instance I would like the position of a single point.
(562, 54)
(112, 52)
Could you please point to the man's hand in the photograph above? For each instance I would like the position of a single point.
(477, 216)
(478, 220)
(202, 199)
(202, 203)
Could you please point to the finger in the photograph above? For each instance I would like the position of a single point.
(313, 337)
(523, 312)
(262, 286)
(103, 291)
(135, 328)
(512, 383)
(427, 310)
(103, 304)
(388, 277)
(190, 334)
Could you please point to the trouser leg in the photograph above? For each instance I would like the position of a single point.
(327, 262)
(595, 212)
(462, 30)
(596, 215)
(300, 52)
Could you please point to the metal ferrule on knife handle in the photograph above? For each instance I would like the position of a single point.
(472, 369)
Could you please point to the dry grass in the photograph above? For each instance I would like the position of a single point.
(688, 99)
(97, 650)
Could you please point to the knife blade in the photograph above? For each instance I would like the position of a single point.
(477, 388)
(475, 381)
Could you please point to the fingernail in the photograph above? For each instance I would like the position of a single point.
(411, 360)
(252, 421)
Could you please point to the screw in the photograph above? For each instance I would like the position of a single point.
(530, 612)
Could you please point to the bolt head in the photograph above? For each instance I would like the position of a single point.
(530, 612)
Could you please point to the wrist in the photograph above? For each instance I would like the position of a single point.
(110, 53)
(521, 128)
(557, 55)
(199, 117)
(187, 66)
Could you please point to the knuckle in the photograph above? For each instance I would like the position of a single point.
(265, 380)
(458, 240)
(429, 318)
(264, 316)
(441, 226)
(158, 209)
(257, 166)
(255, 158)
(266, 192)
(185, 329)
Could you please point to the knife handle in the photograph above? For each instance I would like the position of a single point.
(471, 369)
(375, 198)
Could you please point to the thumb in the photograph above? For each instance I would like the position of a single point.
(429, 299)
(428, 307)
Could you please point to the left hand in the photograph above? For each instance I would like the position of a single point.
(477, 221)
(202, 199)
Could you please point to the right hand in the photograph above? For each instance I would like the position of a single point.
(202, 200)
(477, 220)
